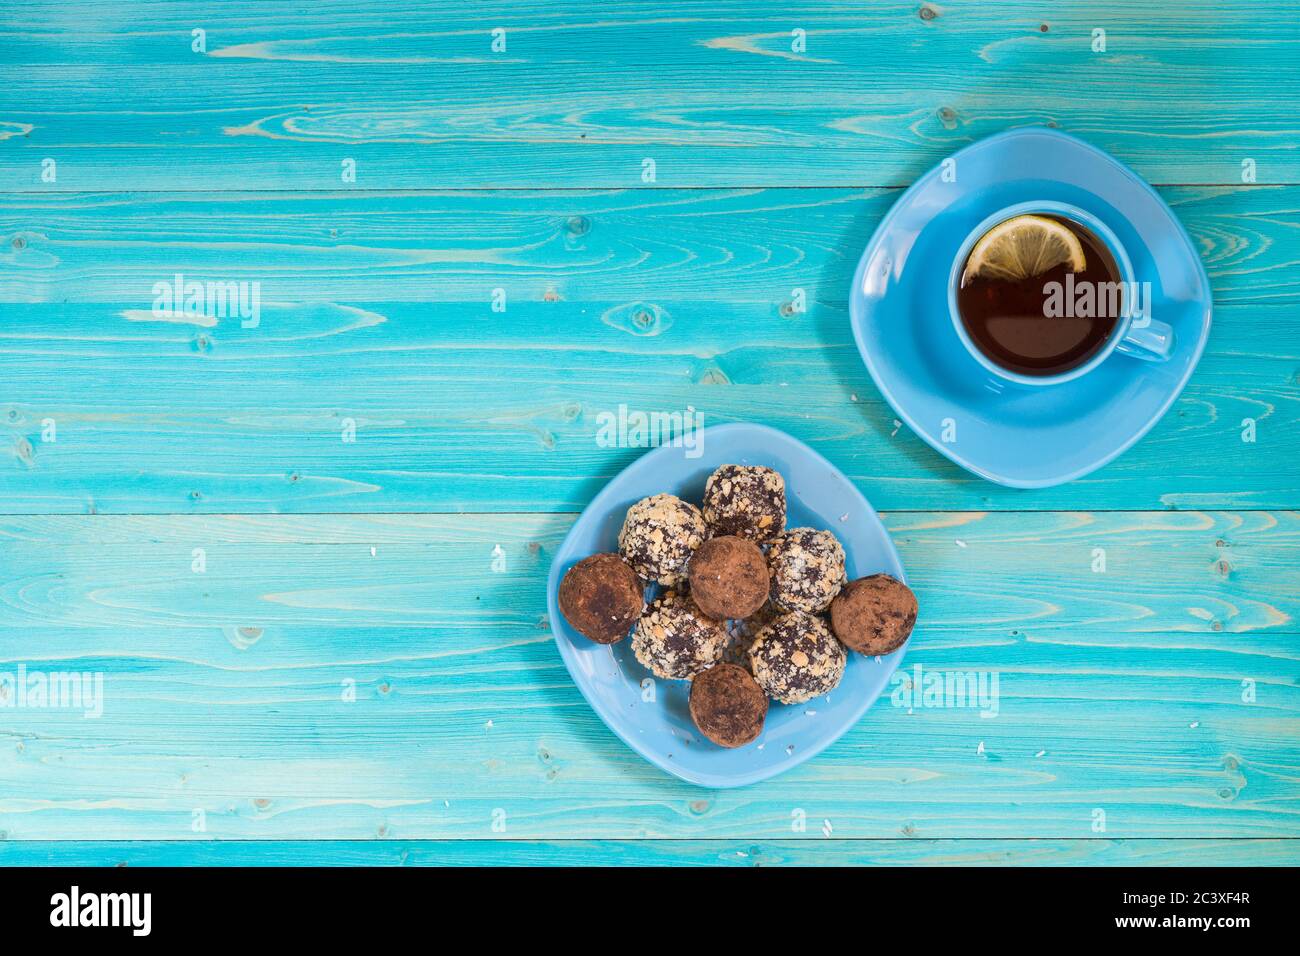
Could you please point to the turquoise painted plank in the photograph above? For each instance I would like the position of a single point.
(655, 302)
(1192, 572)
(715, 93)
(833, 852)
(585, 247)
(1162, 692)
(494, 430)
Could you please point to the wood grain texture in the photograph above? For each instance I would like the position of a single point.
(1191, 572)
(1121, 691)
(377, 309)
(581, 95)
(717, 246)
(736, 853)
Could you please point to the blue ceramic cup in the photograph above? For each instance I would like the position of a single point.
(1136, 333)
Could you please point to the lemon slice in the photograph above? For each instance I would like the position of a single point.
(1022, 248)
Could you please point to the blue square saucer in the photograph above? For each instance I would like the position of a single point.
(653, 719)
(1022, 437)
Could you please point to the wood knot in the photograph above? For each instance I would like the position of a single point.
(638, 318)
(242, 638)
(928, 13)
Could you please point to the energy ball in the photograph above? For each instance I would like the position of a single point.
(795, 658)
(602, 598)
(745, 501)
(729, 577)
(674, 640)
(807, 568)
(659, 535)
(874, 615)
(727, 705)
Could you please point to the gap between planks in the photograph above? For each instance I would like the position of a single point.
(574, 514)
(437, 190)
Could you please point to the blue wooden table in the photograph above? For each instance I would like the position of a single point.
(306, 553)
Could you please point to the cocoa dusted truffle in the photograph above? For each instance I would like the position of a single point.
(727, 705)
(728, 577)
(674, 640)
(795, 658)
(807, 569)
(874, 615)
(659, 535)
(602, 598)
(747, 501)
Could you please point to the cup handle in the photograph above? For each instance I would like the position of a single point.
(1152, 341)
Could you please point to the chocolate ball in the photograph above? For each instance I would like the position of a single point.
(795, 658)
(727, 705)
(602, 598)
(729, 577)
(659, 535)
(874, 615)
(747, 501)
(807, 568)
(674, 640)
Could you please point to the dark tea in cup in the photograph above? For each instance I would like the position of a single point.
(1040, 295)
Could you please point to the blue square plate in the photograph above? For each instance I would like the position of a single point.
(1035, 437)
(610, 677)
